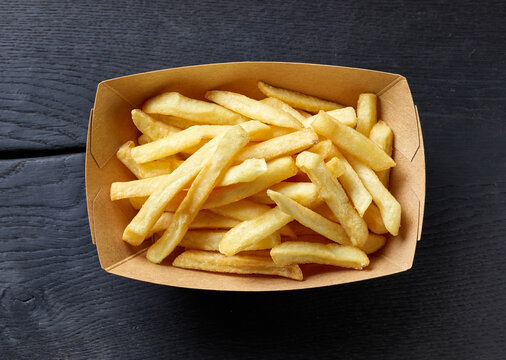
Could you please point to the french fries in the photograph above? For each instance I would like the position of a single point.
(352, 142)
(253, 109)
(277, 170)
(210, 240)
(228, 146)
(373, 219)
(279, 146)
(334, 195)
(309, 218)
(298, 252)
(346, 115)
(389, 207)
(137, 229)
(297, 99)
(366, 113)
(382, 135)
(175, 104)
(203, 220)
(150, 127)
(246, 210)
(249, 232)
(239, 264)
(352, 184)
(305, 193)
(226, 180)
(278, 104)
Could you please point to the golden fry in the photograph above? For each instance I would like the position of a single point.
(280, 105)
(249, 232)
(373, 219)
(277, 170)
(246, 210)
(150, 127)
(382, 135)
(246, 171)
(366, 113)
(322, 148)
(310, 219)
(279, 146)
(356, 191)
(374, 243)
(297, 252)
(239, 264)
(228, 146)
(253, 109)
(210, 240)
(352, 142)
(298, 100)
(389, 207)
(334, 195)
(143, 139)
(346, 116)
(136, 231)
(336, 167)
(175, 104)
(305, 193)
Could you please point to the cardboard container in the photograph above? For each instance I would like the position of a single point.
(110, 126)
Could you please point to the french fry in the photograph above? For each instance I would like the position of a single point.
(279, 146)
(137, 202)
(189, 140)
(297, 252)
(204, 220)
(346, 115)
(246, 171)
(249, 232)
(382, 135)
(352, 142)
(297, 99)
(228, 146)
(125, 156)
(303, 113)
(322, 148)
(150, 127)
(253, 109)
(277, 170)
(305, 193)
(210, 240)
(170, 145)
(334, 195)
(143, 139)
(366, 113)
(336, 167)
(160, 167)
(373, 219)
(389, 207)
(173, 103)
(246, 210)
(374, 243)
(280, 105)
(239, 264)
(352, 184)
(175, 121)
(324, 210)
(310, 219)
(137, 229)
(277, 131)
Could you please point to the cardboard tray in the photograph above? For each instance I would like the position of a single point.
(110, 126)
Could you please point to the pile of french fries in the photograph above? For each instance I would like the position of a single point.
(259, 187)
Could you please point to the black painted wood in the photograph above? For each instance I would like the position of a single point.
(56, 303)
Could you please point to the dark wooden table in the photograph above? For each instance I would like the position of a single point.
(56, 302)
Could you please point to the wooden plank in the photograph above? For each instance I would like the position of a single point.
(54, 54)
(57, 302)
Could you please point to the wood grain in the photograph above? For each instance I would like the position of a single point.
(56, 302)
